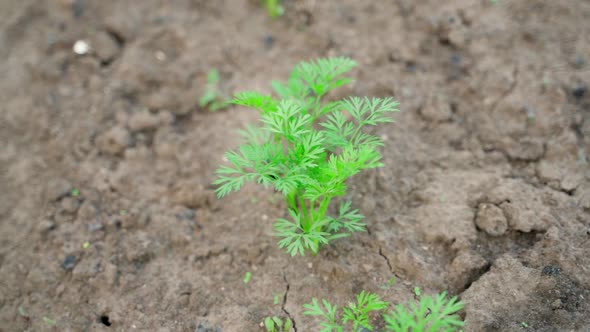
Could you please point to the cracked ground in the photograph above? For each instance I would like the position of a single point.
(108, 220)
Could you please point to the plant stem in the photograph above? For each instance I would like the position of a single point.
(304, 218)
(324, 207)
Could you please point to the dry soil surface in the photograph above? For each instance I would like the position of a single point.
(485, 190)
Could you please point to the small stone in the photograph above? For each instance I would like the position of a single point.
(57, 189)
(95, 226)
(571, 181)
(114, 141)
(69, 263)
(269, 41)
(579, 91)
(187, 214)
(105, 47)
(491, 219)
(141, 248)
(191, 195)
(165, 117)
(87, 268)
(436, 109)
(550, 270)
(557, 304)
(45, 226)
(526, 149)
(143, 121)
(70, 205)
(81, 47)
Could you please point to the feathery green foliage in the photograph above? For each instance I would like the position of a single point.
(437, 314)
(306, 149)
(430, 315)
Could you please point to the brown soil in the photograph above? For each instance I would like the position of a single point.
(485, 190)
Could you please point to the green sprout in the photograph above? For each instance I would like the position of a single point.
(213, 99)
(75, 192)
(306, 149)
(86, 245)
(275, 324)
(390, 283)
(524, 324)
(247, 277)
(276, 299)
(417, 291)
(356, 313)
(430, 315)
(49, 320)
(273, 8)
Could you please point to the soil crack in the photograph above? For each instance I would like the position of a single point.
(386, 259)
(285, 298)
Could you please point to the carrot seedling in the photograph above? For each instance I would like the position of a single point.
(430, 314)
(212, 98)
(273, 8)
(306, 149)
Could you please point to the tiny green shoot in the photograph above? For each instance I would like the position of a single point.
(276, 299)
(357, 314)
(524, 324)
(23, 312)
(86, 245)
(389, 283)
(306, 149)
(247, 277)
(417, 291)
(75, 192)
(213, 99)
(273, 8)
(275, 324)
(49, 320)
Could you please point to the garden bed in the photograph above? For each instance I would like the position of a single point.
(109, 220)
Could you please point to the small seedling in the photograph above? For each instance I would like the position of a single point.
(247, 277)
(75, 192)
(524, 324)
(430, 315)
(49, 320)
(23, 312)
(417, 291)
(213, 99)
(276, 299)
(86, 245)
(273, 8)
(306, 149)
(275, 324)
(389, 283)
(356, 313)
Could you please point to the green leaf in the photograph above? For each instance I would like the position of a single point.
(358, 313)
(265, 104)
(431, 315)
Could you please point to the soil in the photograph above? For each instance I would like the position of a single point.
(485, 191)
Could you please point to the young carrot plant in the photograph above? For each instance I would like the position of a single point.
(212, 98)
(431, 315)
(275, 324)
(437, 314)
(306, 149)
(273, 8)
